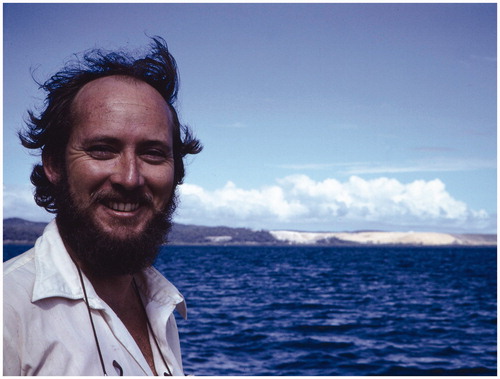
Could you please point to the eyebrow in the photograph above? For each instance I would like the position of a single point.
(100, 139)
(156, 143)
(117, 141)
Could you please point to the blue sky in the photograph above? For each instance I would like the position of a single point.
(323, 117)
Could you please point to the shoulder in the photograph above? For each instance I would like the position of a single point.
(18, 283)
(18, 262)
(19, 275)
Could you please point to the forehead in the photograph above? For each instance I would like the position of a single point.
(115, 89)
(120, 101)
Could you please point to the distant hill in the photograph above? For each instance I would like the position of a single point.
(188, 234)
(19, 231)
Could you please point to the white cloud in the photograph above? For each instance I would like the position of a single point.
(424, 165)
(18, 202)
(298, 201)
(380, 168)
(231, 203)
(234, 125)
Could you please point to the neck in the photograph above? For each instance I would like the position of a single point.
(115, 290)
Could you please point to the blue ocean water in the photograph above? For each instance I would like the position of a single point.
(335, 310)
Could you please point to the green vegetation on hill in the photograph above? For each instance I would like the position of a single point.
(16, 230)
(186, 234)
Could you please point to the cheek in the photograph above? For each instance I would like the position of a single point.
(162, 183)
(85, 177)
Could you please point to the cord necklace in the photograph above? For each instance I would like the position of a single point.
(115, 363)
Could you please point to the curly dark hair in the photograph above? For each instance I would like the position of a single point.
(51, 130)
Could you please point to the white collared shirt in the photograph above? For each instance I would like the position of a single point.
(47, 330)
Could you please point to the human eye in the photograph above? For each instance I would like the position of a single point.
(101, 151)
(155, 155)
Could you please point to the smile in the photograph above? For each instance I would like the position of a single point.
(122, 207)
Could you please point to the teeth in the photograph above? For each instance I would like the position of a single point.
(123, 207)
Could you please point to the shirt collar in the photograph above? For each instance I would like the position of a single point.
(157, 288)
(56, 275)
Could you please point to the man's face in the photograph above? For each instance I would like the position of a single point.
(119, 157)
(116, 189)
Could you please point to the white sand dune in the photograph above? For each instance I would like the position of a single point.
(384, 238)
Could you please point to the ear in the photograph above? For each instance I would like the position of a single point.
(51, 168)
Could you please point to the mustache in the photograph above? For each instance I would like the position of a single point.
(122, 197)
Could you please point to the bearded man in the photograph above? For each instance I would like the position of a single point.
(85, 300)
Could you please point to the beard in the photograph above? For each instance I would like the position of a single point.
(102, 254)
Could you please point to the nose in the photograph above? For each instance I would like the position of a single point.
(127, 173)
